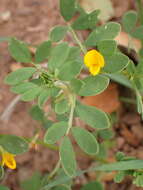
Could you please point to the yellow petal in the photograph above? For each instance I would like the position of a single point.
(93, 57)
(9, 160)
(94, 70)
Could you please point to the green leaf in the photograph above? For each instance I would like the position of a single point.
(93, 85)
(67, 9)
(86, 141)
(94, 185)
(43, 51)
(92, 116)
(67, 157)
(33, 183)
(119, 176)
(19, 51)
(43, 97)
(13, 144)
(19, 75)
(106, 134)
(37, 113)
(58, 56)
(106, 32)
(129, 21)
(74, 53)
(31, 94)
(58, 33)
(138, 33)
(61, 107)
(72, 69)
(23, 87)
(55, 132)
(138, 181)
(4, 187)
(76, 85)
(1, 172)
(121, 166)
(121, 79)
(116, 63)
(86, 21)
(107, 47)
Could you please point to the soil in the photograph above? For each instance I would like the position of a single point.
(30, 21)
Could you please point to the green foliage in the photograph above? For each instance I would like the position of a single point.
(106, 32)
(19, 51)
(37, 113)
(72, 69)
(129, 21)
(19, 75)
(93, 85)
(43, 51)
(67, 157)
(13, 144)
(1, 172)
(90, 145)
(33, 183)
(58, 33)
(92, 116)
(137, 33)
(3, 188)
(107, 47)
(58, 55)
(55, 132)
(61, 107)
(116, 63)
(67, 9)
(86, 21)
(94, 185)
(61, 81)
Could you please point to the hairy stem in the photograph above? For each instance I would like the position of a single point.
(51, 175)
(83, 49)
(71, 114)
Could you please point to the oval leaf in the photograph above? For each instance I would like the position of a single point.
(23, 87)
(92, 116)
(42, 51)
(58, 33)
(58, 55)
(85, 140)
(19, 51)
(93, 85)
(19, 75)
(67, 9)
(43, 97)
(129, 21)
(138, 33)
(55, 132)
(106, 32)
(67, 157)
(116, 63)
(72, 69)
(107, 47)
(13, 144)
(31, 94)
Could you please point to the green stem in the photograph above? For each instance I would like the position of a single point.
(83, 49)
(127, 100)
(71, 114)
(51, 175)
(140, 10)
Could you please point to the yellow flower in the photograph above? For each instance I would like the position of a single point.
(8, 160)
(94, 61)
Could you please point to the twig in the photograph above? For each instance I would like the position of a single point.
(5, 116)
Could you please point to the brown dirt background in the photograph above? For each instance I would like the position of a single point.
(31, 20)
